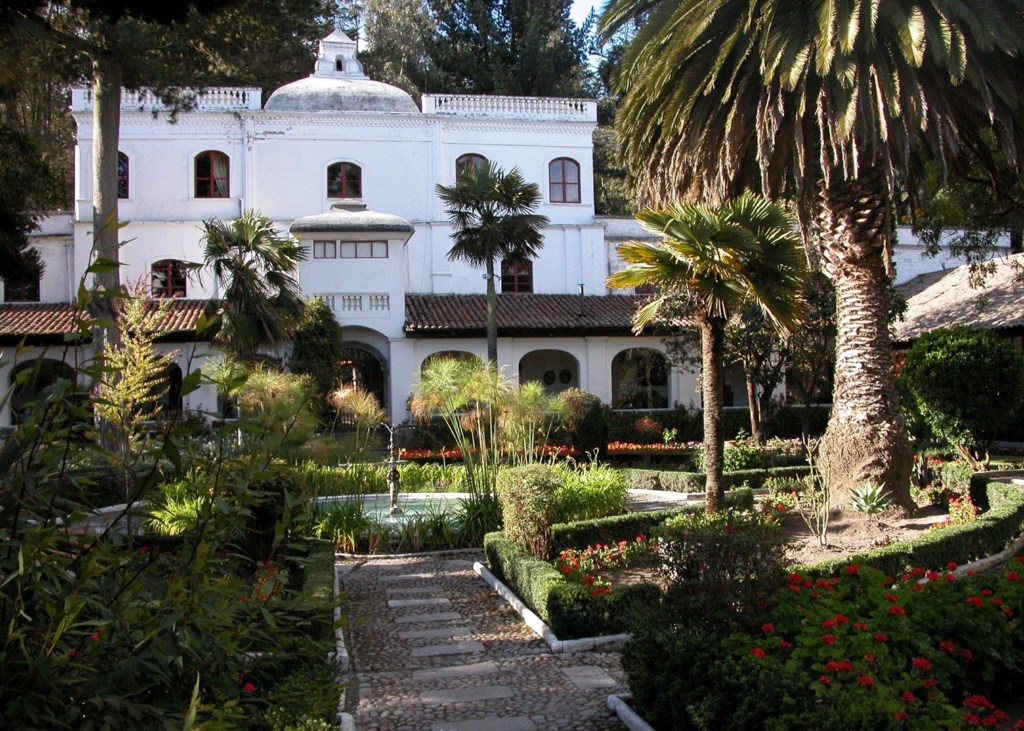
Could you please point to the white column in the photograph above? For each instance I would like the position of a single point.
(596, 369)
(401, 374)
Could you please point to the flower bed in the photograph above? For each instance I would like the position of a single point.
(857, 650)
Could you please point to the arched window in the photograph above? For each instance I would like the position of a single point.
(168, 279)
(122, 175)
(640, 379)
(472, 161)
(564, 181)
(344, 180)
(212, 172)
(516, 276)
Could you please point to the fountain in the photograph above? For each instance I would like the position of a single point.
(394, 477)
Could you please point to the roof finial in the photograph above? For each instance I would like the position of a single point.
(337, 58)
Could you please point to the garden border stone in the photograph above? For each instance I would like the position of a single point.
(630, 718)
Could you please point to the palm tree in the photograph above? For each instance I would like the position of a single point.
(717, 258)
(492, 215)
(827, 102)
(261, 303)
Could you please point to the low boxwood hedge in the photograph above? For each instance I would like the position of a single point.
(694, 481)
(583, 533)
(991, 532)
(568, 609)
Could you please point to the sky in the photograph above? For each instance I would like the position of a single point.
(580, 8)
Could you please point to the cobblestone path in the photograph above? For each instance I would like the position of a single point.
(433, 648)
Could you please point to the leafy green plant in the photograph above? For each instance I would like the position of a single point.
(344, 522)
(719, 564)
(814, 503)
(528, 505)
(591, 491)
(476, 516)
(870, 498)
(967, 385)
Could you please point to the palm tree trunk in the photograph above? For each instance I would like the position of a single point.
(753, 405)
(106, 115)
(492, 315)
(712, 347)
(866, 439)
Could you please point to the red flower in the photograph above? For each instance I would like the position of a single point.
(757, 652)
(972, 719)
(72, 653)
(921, 663)
(880, 637)
(828, 639)
(946, 646)
(978, 703)
(986, 592)
(767, 627)
(892, 597)
(824, 680)
(566, 570)
(1012, 576)
(931, 683)
(865, 680)
(908, 697)
(783, 645)
(869, 657)
(967, 654)
(860, 626)
(828, 623)
(932, 576)
(975, 600)
(96, 635)
(951, 565)
(248, 688)
(1007, 611)
(852, 568)
(900, 716)
(897, 611)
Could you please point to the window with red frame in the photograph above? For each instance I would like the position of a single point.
(516, 276)
(564, 181)
(212, 172)
(344, 180)
(168, 279)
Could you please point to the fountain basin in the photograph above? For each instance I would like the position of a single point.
(411, 503)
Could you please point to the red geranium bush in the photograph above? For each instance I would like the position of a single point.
(861, 650)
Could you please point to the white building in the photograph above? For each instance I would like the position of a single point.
(338, 137)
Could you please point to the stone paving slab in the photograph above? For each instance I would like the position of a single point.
(428, 589)
(400, 603)
(427, 634)
(589, 676)
(454, 648)
(432, 617)
(457, 671)
(508, 723)
(392, 650)
(464, 695)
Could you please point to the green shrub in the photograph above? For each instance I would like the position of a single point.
(593, 491)
(528, 505)
(344, 522)
(720, 564)
(477, 516)
(276, 495)
(967, 384)
(743, 454)
(568, 609)
(955, 476)
(855, 652)
(585, 421)
(989, 533)
(609, 530)
(694, 481)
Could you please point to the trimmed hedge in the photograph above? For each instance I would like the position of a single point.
(568, 609)
(989, 533)
(608, 530)
(694, 481)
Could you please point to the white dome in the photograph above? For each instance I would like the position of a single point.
(339, 85)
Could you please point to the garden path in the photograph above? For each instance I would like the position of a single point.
(433, 648)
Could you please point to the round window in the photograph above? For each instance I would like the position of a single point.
(549, 377)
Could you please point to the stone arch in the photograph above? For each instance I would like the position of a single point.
(640, 379)
(456, 354)
(38, 376)
(557, 370)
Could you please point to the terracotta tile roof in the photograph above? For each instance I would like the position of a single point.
(519, 314)
(50, 321)
(947, 299)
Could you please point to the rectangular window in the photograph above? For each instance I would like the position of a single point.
(364, 249)
(325, 249)
(26, 292)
